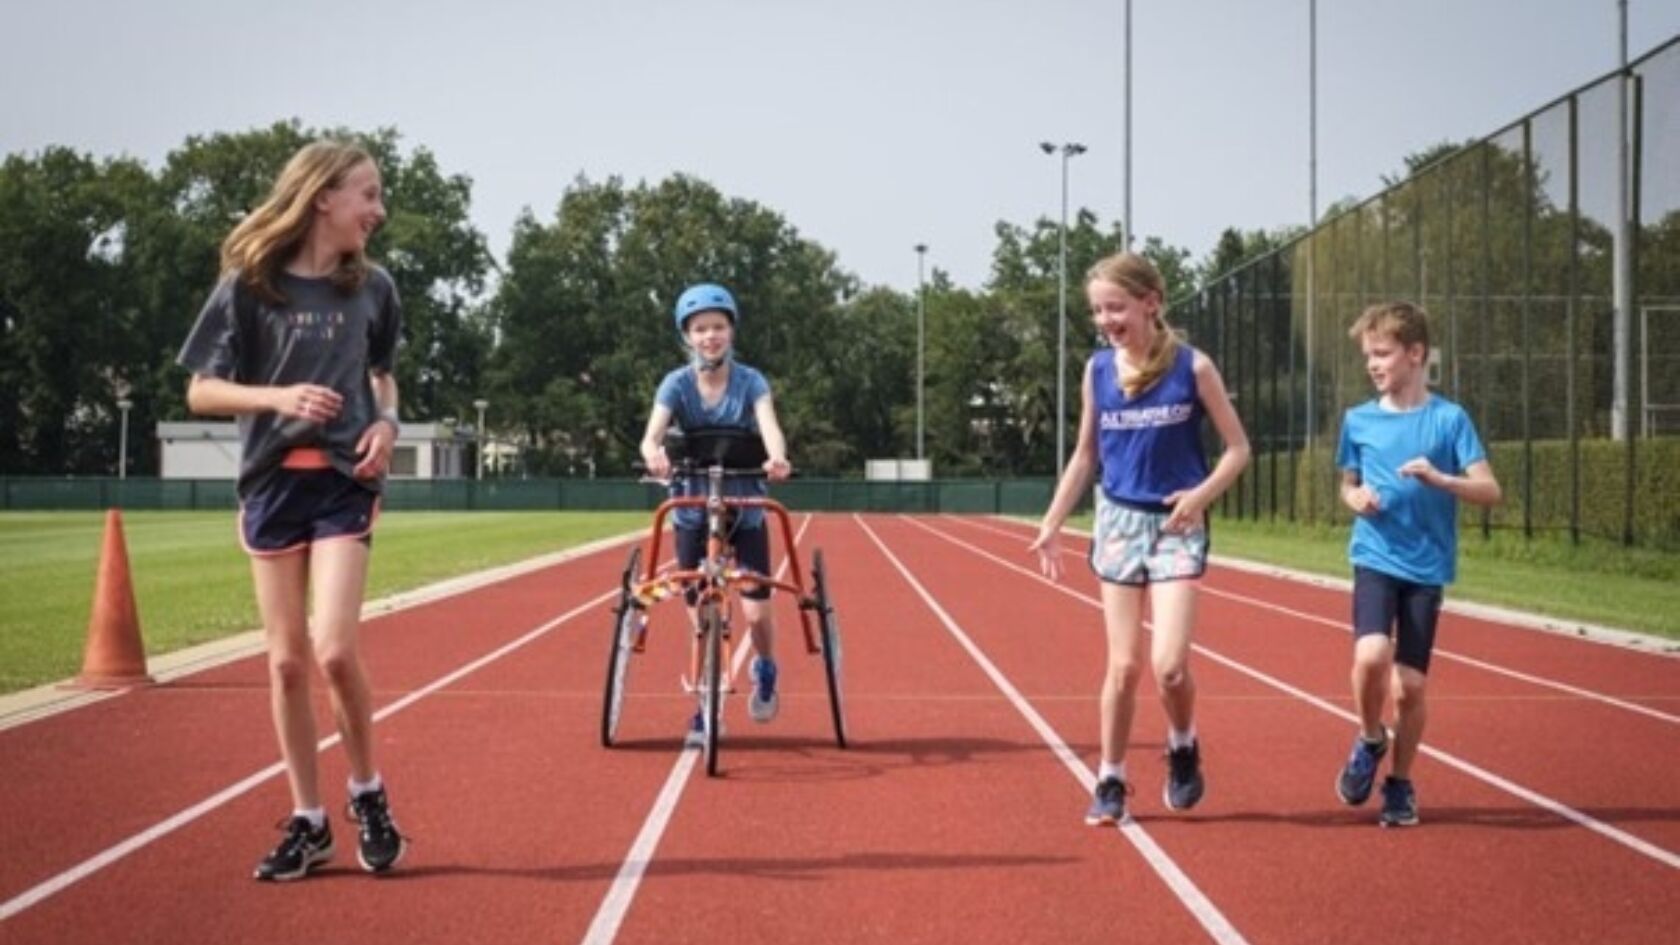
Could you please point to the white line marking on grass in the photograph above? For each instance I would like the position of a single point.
(1445, 654)
(99, 861)
(616, 903)
(1637, 844)
(1211, 919)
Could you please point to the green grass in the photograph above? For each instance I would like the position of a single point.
(192, 582)
(1595, 582)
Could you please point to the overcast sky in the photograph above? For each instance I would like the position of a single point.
(870, 125)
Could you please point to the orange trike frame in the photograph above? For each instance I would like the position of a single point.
(648, 588)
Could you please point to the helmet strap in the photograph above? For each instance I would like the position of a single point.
(710, 365)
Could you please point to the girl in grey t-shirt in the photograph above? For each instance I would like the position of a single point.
(298, 341)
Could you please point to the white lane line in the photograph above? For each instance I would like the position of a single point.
(111, 854)
(1445, 654)
(1218, 927)
(616, 903)
(1637, 844)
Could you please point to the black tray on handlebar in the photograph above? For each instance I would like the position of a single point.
(729, 447)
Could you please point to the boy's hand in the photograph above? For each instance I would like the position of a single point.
(1048, 544)
(1361, 500)
(777, 468)
(1422, 470)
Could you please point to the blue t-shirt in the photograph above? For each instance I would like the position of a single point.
(1414, 533)
(680, 392)
(1150, 445)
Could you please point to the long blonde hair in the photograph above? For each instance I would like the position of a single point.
(271, 234)
(1139, 277)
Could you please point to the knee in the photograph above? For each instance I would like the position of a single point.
(1172, 675)
(1371, 654)
(1410, 693)
(288, 671)
(338, 663)
(1123, 674)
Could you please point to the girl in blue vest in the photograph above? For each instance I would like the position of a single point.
(1140, 424)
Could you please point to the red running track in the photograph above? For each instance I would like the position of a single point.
(1550, 807)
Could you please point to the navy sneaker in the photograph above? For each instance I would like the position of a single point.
(1184, 777)
(302, 849)
(696, 737)
(1108, 803)
(381, 845)
(763, 704)
(1399, 804)
(1360, 772)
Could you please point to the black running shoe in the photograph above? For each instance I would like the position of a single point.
(1108, 803)
(303, 849)
(1399, 804)
(381, 845)
(1184, 777)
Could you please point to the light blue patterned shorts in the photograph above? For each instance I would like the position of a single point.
(1129, 547)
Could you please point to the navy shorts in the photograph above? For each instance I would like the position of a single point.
(752, 551)
(1386, 604)
(299, 507)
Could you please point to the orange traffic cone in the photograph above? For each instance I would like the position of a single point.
(114, 658)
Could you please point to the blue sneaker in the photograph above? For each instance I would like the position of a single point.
(1360, 772)
(1108, 803)
(763, 704)
(696, 736)
(1184, 777)
(1399, 804)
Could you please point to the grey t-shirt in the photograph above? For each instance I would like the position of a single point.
(318, 335)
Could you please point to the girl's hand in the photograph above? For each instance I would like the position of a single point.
(310, 402)
(658, 464)
(1048, 544)
(777, 468)
(1186, 515)
(374, 447)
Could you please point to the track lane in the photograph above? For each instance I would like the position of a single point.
(1271, 844)
(929, 829)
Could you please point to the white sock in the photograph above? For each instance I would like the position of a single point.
(1184, 739)
(1109, 769)
(358, 788)
(317, 816)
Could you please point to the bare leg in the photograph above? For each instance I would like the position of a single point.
(1123, 626)
(339, 573)
(1410, 713)
(1373, 657)
(1174, 610)
(282, 594)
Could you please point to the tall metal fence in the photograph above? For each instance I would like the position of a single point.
(1508, 243)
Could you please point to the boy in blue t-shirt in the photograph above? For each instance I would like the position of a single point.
(1406, 458)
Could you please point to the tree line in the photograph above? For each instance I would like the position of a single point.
(104, 264)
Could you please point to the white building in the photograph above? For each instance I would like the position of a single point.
(211, 451)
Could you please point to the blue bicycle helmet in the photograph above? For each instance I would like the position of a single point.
(705, 297)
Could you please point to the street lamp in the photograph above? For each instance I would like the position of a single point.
(1069, 150)
(480, 403)
(122, 439)
(921, 347)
